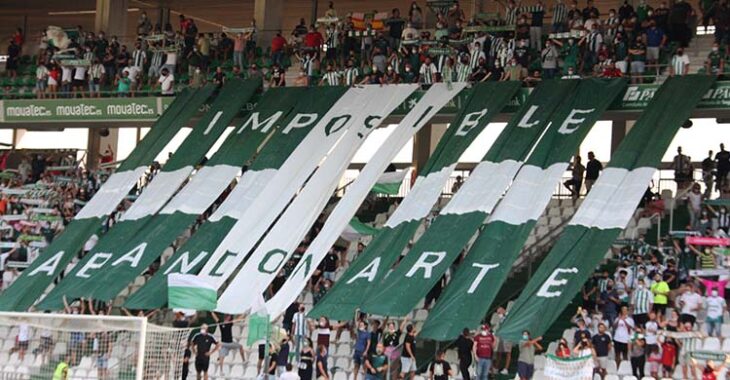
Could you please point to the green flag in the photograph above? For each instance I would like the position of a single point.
(606, 210)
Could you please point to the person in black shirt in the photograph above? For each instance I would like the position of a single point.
(593, 170)
(408, 354)
(602, 344)
(227, 343)
(375, 334)
(722, 159)
(219, 78)
(464, 345)
(496, 73)
(440, 368)
(306, 360)
(322, 371)
(202, 343)
(330, 264)
(273, 357)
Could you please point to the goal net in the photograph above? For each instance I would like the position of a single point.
(35, 345)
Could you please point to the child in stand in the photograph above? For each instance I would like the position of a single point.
(669, 357)
(655, 361)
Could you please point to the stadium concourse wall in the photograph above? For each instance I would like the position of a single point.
(143, 111)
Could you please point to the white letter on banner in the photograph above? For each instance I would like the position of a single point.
(212, 122)
(564, 129)
(97, 261)
(525, 121)
(254, 119)
(368, 272)
(469, 122)
(184, 262)
(49, 266)
(300, 121)
(553, 281)
(132, 256)
(483, 269)
(426, 265)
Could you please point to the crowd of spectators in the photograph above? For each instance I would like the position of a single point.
(527, 41)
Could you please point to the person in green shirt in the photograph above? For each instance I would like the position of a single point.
(376, 364)
(123, 84)
(570, 52)
(715, 63)
(660, 290)
(61, 371)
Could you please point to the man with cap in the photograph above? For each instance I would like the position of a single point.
(484, 344)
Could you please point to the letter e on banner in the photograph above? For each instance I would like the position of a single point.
(553, 281)
(572, 120)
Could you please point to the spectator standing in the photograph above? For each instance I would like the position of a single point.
(637, 55)
(167, 83)
(239, 44)
(655, 40)
(41, 76)
(715, 63)
(623, 327)
(278, 47)
(227, 343)
(679, 64)
(549, 59)
(537, 16)
(526, 360)
(576, 181)
(321, 366)
(306, 360)
(560, 17)
(679, 21)
(690, 303)
(395, 26)
(602, 344)
(484, 345)
(722, 163)
(408, 354)
(715, 306)
(593, 170)
(427, 72)
(464, 347)
(201, 348)
(682, 166)
(694, 205)
(638, 357)
(641, 303)
(708, 174)
(362, 347)
(13, 59)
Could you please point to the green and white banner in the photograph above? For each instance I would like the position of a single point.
(390, 182)
(186, 291)
(359, 108)
(436, 98)
(357, 229)
(606, 209)
(280, 242)
(156, 194)
(580, 368)
(197, 196)
(457, 223)
(21, 295)
(477, 280)
(310, 104)
(483, 102)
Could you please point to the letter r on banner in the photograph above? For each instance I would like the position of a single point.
(427, 261)
(553, 281)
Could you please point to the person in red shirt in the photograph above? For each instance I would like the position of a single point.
(669, 357)
(563, 351)
(278, 45)
(313, 40)
(484, 344)
(611, 71)
(18, 37)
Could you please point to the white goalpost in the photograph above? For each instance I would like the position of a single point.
(35, 345)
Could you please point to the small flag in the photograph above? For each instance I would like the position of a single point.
(390, 182)
(187, 291)
(356, 229)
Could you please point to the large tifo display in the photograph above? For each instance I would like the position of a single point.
(276, 171)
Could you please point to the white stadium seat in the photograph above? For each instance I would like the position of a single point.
(250, 373)
(340, 375)
(711, 344)
(611, 377)
(624, 368)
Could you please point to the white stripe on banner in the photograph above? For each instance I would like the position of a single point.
(358, 104)
(113, 191)
(202, 190)
(419, 201)
(613, 199)
(271, 254)
(483, 188)
(248, 188)
(529, 194)
(163, 186)
(346, 208)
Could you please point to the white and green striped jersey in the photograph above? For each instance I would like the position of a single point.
(351, 74)
(332, 78)
(641, 301)
(510, 15)
(426, 72)
(138, 58)
(680, 63)
(157, 58)
(475, 56)
(560, 13)
(463, 71)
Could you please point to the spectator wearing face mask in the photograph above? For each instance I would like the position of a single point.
(362, 347)
(484, 345)
(679, 64)
(465, 347)
(715, 307)
(641, 303)
(202, 343)
(376, 364)
(526, 360)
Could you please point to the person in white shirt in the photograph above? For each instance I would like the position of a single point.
(167, 83)
(622, 329)
(79, 81)
(715, 306)
(22, 341)
(690, 303)
(651, 329)
(66, 78)
(289, 374)
(133, 75)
